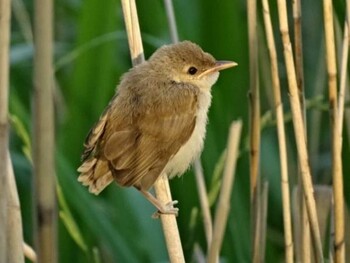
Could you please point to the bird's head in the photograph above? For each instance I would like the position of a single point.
(186, 62)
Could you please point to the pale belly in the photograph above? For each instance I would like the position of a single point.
(181, 161)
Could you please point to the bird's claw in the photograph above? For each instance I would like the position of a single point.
(168, 209)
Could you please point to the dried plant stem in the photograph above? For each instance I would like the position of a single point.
(337, 173)
(304, 235)
(5, 6)
(14, 220)
(133, 31)
(44, 167)
(223, 207)
(343, 75)
(331, 239)
(204, 202)
(254, 97)
(347, 96)
(299, 68)
(254, 135)
(348, 15)
(299, 130)
(288, 239)
(29, 252)
(169, 224)
(304, 252)
(263, 218)
(171, 20)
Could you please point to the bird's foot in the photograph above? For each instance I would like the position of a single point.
(167, 209)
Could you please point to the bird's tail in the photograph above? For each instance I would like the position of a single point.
(96, 174)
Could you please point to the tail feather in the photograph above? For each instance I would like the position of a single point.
(87, 165)
(94, 171)
(95, 174)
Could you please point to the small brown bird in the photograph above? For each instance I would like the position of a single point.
(155, 124)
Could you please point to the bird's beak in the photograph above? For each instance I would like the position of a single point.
(219, 65)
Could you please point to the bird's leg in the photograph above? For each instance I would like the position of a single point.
(162, 209)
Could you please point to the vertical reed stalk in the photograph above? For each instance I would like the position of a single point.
(331, 239)
(299, 130)
(254, 135)
(171, 20)
(133, 31)
(337, 173)
(44, 165)
(14, 222)
(288, 240)
(343, 75)
(347, 96)
(223, 208)
(204, 202)
(304, 228)
(169, 224)
(263, 218)
(254, 98)
(5, 6)
(298, 44)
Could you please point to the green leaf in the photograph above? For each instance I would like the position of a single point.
(68, 220)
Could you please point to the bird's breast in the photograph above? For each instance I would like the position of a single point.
(180, 162)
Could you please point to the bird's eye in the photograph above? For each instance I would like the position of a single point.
(192, 70)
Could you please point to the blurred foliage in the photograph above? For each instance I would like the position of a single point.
(91, 53)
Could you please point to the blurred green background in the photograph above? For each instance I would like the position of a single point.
(91, 53)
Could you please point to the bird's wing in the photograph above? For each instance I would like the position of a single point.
(94, 170)
(134, 149)
(139, 153)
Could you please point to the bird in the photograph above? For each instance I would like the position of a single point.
(155, 124)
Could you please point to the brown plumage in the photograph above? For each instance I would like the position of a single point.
(159, 108)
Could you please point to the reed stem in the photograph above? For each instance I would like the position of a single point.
(299, 131)
(5, 7)
(288, 239)
(223, 208)
(337, 170)
(161, 186)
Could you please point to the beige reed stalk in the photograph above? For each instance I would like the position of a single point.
(169, 224)
(133, 31)
(263, 217)
(254, 135)
(288, 238)
(299, 68)
(337, 172)
(44, 164)
(303, 236)
(343, 75)
(29, 252)
(204, 202)
(223, 208)
(15, 252)
(254, 97)
(5, 7)
(299, 131)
